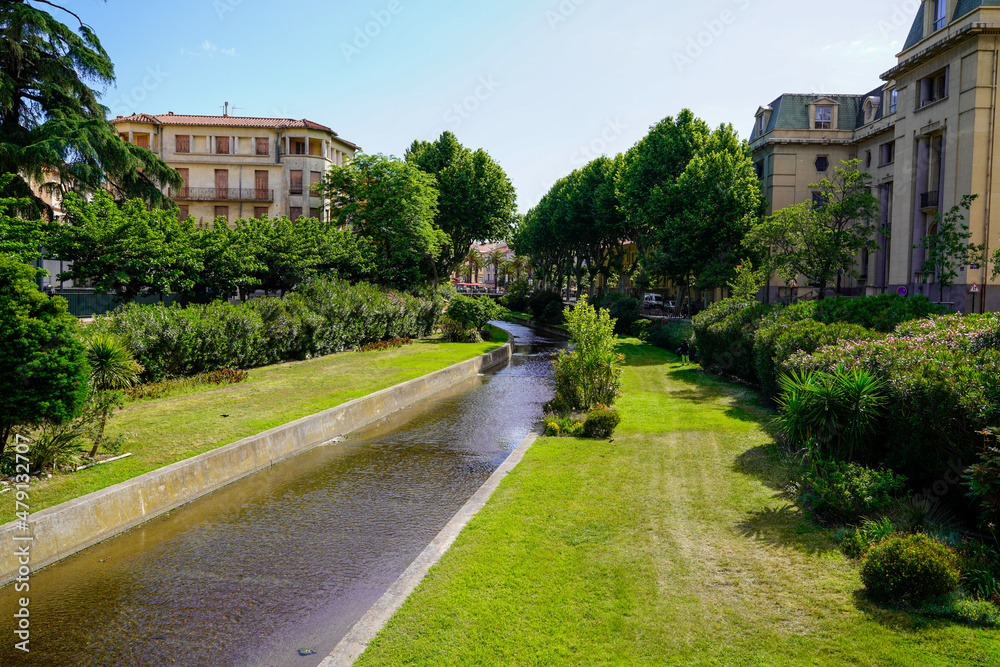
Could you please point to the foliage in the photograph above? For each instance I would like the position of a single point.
(881, 313)
(554, 426)
(43, 367)
(52, 119)
(960, 608)
(516, 297)
(725, 334)
(911, 568)
(394, 205)
(848, 490)
(112, 369)
(983, 478)
(477, 201)
(821, 240)
(321, 317)
(624, 309)
(474, 312)
(601, 423)
(553, 313)
(539, 302)
(384, 345)
(152, 390)
(947, 247)
(19, 239)
(456, 332)
(669, 336)
(856, 542)
(591, 374)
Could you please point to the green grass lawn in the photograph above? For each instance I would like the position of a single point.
(189, 422)
(673, 545)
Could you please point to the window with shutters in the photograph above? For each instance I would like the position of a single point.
(262, 146)
(222, 184)
(184, 172)
(222, 145)
(298, 147)
(316, 213)
(295, 212)
(314, 179)
(295, 185)
(222, 212)
(182, 143)
(141, 140)
(259, 212)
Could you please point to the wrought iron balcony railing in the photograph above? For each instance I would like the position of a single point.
(929, 199)
(223, 194)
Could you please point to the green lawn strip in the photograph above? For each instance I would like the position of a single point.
(176, 427)
(672, 545)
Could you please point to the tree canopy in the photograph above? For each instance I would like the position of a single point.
(50, 118)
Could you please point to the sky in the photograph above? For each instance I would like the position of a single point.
(544, 86)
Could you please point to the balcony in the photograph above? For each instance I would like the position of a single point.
(222, 194)
(929, 200)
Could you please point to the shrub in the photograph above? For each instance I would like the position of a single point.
(539, 301)
(516, 297)
(456, 332)
(856, 542)
(474, 313)
(625, 310)
(601, 423)
(553, 313)
(383, 345)
(964, 610)
(849, 490)
(911, 568)
(881, 313)
(669, 336)
(552, 428)
(724, 334)
(152, 390)
(591, 373)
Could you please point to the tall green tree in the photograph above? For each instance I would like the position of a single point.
(50, 117)
(43, 366)
(706, 214)
(394, 204)
(477, 200)
(124, 248)
(19, 238)
(948, 247)
(821, 240)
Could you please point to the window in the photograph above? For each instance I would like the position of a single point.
(262, 146)
(222, 212)
(933, 88)
(868, 159)
(295, 185)
(295, 212)
(893, 96)
(758, 168)
(824, 118)
(183, 211)
(818, 200)
(222, 184)
(141, 140)
(222, 145)
(260, 212)
(261, 185)
(940, 16)
(185, 174)
(887, 153)
(298, 147)
(314, 178)
(182, 143)
(822, 163)
(123, 136)
(760, 125)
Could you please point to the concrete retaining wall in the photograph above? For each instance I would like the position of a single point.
(60, 531)
(548, 329)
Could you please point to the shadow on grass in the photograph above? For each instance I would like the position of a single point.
(786, 526)
(898, 619)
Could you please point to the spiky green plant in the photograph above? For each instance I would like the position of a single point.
(112, 369)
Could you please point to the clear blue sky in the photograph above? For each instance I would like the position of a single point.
(543, 85)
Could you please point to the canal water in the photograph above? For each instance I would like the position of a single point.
(290, 557)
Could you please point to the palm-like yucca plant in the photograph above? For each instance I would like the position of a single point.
(861, 404)
(112, 369)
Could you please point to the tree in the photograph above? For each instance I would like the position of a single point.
(476, 263)
(43, 367)
(498, 260)
(394, 204)
(227, 260)
(820, 240)
(112, 368)
(50, 118)
(706, 213)
(20, 239)
(126, 249)
(947, 246)
(477, 200)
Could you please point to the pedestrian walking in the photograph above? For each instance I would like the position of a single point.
(684, 352)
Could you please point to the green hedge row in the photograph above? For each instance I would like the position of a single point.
(321, 317)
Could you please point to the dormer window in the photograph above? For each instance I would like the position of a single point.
(823, 118)
(763, 118)
(939, 17)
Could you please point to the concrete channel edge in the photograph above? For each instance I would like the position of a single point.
(65, 529)
(354, 643)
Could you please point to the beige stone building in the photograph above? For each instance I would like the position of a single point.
(927, 135)
(236, 167)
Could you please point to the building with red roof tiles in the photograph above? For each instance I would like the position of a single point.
(241, 167)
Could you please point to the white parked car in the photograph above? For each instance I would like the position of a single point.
(653, 301)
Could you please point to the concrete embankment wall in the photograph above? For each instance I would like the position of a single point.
(548, 329)
(60, 531)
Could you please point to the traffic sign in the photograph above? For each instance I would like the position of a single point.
(902, 291)
(974, 289)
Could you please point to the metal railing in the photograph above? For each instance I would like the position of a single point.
(223, 194)
(929, 199)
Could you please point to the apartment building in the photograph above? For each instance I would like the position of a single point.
(235, 167)
(927, 136)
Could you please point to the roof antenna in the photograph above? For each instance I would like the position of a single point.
(225, 110)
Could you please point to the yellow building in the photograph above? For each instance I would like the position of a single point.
(236, 167)
(927, 136)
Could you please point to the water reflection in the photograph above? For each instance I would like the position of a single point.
(290, 557)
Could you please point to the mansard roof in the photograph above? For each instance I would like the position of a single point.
(961, 9)
(791, 111)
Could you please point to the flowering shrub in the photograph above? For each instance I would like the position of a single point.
(383, 345)
(915, 567)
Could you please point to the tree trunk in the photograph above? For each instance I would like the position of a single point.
(822, 289)
(100, 434)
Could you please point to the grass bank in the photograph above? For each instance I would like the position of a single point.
(675, 544)
(198, 419)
